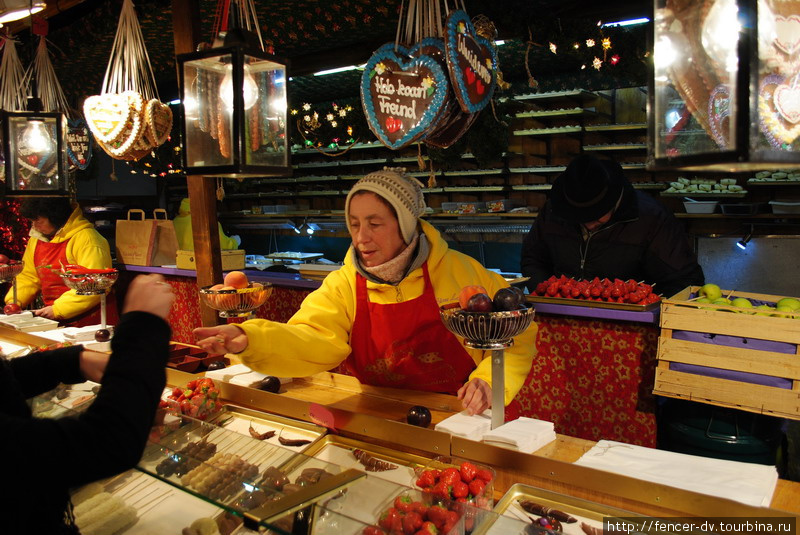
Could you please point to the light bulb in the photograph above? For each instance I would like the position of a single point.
(721, 34)
(36, 138)
(250, 88)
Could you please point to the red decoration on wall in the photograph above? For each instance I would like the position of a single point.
(13, 229)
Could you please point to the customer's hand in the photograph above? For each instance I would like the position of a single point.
(221, 339)
(149, 293)
(475, 396)
(93, 364)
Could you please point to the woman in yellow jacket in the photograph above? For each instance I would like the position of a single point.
(379, 314)
(60, 235)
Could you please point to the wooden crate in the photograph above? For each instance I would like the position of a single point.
(681, 317)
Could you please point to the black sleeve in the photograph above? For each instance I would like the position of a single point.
(110, 435)
(40, 372)
(535, 259)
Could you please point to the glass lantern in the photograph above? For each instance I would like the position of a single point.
(724, 92)
(35, 158)
(234, 120)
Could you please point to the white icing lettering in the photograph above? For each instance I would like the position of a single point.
(396, 109)
(477, 65)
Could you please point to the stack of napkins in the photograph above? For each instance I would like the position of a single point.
(239, 374)
(83, 334)
(748, 483)
(464, 425)
(524, 434)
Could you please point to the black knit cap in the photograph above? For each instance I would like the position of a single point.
(588, 189)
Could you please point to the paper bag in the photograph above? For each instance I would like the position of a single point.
(166, 243)
(135, 239)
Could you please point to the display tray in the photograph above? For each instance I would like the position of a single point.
(145, 504)
(592, 304)
(293, 255)
(339, 451)
(240, 419)
(588, 515)
(27, 323)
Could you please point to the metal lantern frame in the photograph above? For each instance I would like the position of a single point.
(747, 147)
(60, 187)
(239, 167)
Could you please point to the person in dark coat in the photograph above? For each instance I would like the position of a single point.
(595, 224)
(43, 457)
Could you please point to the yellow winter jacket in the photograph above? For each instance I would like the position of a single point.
(86, 248)
(183, 230)
(317, 337)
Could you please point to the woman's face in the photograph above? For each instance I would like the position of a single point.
(43, 226)
(374, 230)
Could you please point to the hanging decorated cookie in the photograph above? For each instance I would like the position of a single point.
(471, 62)
(776, 108)
(158, 122)
(403, 97)
(107, 115)
(79, 143)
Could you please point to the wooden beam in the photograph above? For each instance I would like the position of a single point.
(202, 197)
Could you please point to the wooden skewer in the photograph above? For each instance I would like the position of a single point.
(174, 343)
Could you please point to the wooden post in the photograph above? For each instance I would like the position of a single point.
(202, 196)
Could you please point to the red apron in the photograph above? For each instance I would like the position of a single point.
(55, 255)
(406, 345)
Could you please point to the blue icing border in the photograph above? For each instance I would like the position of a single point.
(451, 30)
(386, 52)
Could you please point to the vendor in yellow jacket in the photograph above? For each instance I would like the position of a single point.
(379, 314)
(59, 235)
(183, 230)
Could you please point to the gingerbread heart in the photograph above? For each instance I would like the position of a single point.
(787, 102)
(778, 133)
(787, 34)
(158, 122)
(132, 129)
(107, 115)
(719, 111)
(411, 90)
(79, 143)
(469, 56)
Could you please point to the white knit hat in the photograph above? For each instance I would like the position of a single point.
(403, 192)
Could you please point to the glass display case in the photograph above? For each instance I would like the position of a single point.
(34, 153)
(723, 91)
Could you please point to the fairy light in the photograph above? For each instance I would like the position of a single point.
(606, 43)
(590, 43)
(553, 48)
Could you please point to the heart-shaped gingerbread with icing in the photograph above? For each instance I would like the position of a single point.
(158, 122)
(471, 62)
(403, 97)
(79, 143)
(787, 34)
(132, 130)
(787, 102)
(107, 115)
(719, 110)
(773, 125)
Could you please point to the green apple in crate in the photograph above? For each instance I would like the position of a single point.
(789, 303)
(711, 291)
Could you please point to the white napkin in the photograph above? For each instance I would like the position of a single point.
(239, 374)
(83, 334)
(464, 425)
(748, 483)
(524, 434)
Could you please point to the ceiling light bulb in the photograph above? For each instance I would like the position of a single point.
(250, 88)
(36, 139)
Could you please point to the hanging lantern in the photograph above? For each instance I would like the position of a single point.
(234, 109)
(724, 92)
(36, 161)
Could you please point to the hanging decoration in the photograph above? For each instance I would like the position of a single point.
(329, 129)
(471, 62)
(127, 119)
(12, 95)
(51, 94)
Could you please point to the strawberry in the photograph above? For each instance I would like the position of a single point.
(428, 528)
(389, 518)
(412, 522)
(441, 490)
(419, 507)
(402, 504)
(485, 475)
(191, 384)
(176, 392)
(468, 471)
(460, 489)
(372, 530)
(438, 515)
(426, 479)
(476, 487)
(450, 475)
(452, 520)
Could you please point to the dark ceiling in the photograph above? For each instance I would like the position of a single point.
(316, 35)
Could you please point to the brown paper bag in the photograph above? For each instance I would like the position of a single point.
(166, 244)
(135, 239)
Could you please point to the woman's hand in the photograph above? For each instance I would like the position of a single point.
(45, 312)
(93, 365)
(475, 396)
(149, 293)
(221, 339)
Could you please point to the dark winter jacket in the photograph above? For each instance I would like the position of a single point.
(42, 457)
(642, 241)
